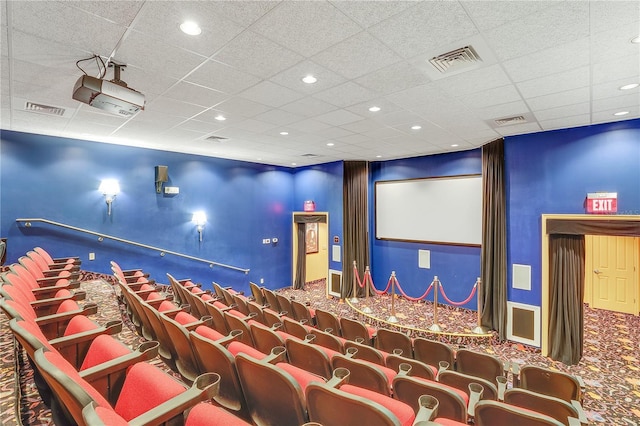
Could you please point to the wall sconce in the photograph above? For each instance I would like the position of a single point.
(109, 188)
(199, 219)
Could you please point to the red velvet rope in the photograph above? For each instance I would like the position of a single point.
(380, 291)
(355, 271)
(467, 300)
(414, 299)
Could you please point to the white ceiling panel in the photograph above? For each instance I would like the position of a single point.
(559, 64)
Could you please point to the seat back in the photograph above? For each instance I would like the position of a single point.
(257, 294)
(166, 349)
(302, 312)
(236, 323)
(366, 352)
(390, 340)
(491, 413)
(185, 359)
(272, 395)
(453, 402)
(479, 364)
(548, 405)
(328, 320)
(363, 374)
(418, 368)
(223, 294)
(330, 406)
(271, 299)
(550, 382)
(432, 352)
(462, 381)
(353, 329)
(264, 338)
(215, 358)
(308, 357)
(214, 310)
(285, 305)
(295, 328)
(327, 340)
(241, 303)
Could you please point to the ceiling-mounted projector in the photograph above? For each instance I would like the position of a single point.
(112, 96)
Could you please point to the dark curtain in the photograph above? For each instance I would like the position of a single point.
(493, 254)
(301, 255)
(355, 224)
(566, 293)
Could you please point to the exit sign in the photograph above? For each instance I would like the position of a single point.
(602, 202)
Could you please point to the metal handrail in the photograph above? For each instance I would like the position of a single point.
(27, 223)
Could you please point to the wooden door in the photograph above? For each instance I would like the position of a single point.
(612, 273)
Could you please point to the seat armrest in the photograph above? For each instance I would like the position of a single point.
(340, 376)
(475, 393)
(428, 409)
(74, 348)
(582, 416)
(278, 354)
(502, 387)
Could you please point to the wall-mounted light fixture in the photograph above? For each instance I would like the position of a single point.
(199, 219)
(109, 188)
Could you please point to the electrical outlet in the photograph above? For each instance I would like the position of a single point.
(261, 280)
(266, 241)
(92, 256)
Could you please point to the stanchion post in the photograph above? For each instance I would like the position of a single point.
(435, 326)
(367, 280)
(354, 299)
(392, 319)
(479, 328)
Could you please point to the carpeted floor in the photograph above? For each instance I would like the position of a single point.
(609, 366)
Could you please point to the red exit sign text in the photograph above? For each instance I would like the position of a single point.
(602, 202)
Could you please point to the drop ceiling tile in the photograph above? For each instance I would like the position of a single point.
(383, 133)
(255, 126)
(195, 94)
(244, 13)
(491, 14)
(605, 14)
(616, 69)
(339, 117)
(292, 77)
(566, 122)
(617, 102)
(424, 27)
(334, 133)
(308, 107)
(393, 78)
(490, 97)
(179, 135)
(309, 125)
(356, 56)
(386, 107)
(306, 27)
(503, 110)
(240, 107)
(607, 116)
(563, 111)
(41, 51)
(270, 94)
(162, 19)
(222, 77)
(569, 97)
(369, 13)
(562, 23)
(346, 94)
(563, 57)
(518, 129)
(404, 119)
(121, 12)
(615, 43)
(417, 96)
(279, 117)
(200, 126)
(256, 55)
(473, 81)
(612, 88)
(555, 83)
(363, 126)
(353, 139)
(172, 107)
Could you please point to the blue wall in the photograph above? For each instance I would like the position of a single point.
(552, 172)
(58, 179)
(457, 267)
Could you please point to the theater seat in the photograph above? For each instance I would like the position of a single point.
(491, 413)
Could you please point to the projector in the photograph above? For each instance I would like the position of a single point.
(112, 97)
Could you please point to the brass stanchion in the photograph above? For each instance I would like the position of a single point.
(367, 280)
(354, 299)
(479, 328)
(392, 319)
(435, 327)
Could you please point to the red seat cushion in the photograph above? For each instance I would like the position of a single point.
(285, 335)
(110, 417)
(165, 305)
(236, 313)
(240, 348)
(206, 297)
(447, 422)
(79, 324)
(184, 318)
(67, 306)
(205, 414)
(301, 376)
(145, 387)
(103, 348)
(402, 411)
(154, 295)
(209, 332)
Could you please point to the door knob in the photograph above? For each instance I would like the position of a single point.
(595, 271)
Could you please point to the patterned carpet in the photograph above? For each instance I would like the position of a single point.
(609, 366)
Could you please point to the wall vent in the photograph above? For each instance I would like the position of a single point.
(44, 109)
(214, 138)
(508, 121)
(309, 155)
(456, 59)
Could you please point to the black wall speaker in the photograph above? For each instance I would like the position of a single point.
(162, 175)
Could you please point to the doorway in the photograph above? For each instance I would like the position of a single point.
(310, 256)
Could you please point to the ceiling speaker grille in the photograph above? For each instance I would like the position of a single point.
(456, 59)
(44, 109)
(511, 120)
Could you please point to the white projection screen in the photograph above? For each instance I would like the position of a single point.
(443, 210)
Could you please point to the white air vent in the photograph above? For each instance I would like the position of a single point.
(456, 59)
(309, 155)
(519, 119)
(214, 138)
(44, 109)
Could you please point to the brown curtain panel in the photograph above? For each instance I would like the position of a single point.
(566, 297)
(493, 254)
(355, 223)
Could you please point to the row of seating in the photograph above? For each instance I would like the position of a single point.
(301, 349)
(83, 373)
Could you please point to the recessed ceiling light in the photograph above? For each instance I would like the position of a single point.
(374, 109)
(416, 127)
(190, 27)
(293, 164)
(629, 86)
(635, 39)
(619, 113)
(454, 145)
(284, 133)
(330, 144)
(309, 79)
(220, 117)
(378, 156)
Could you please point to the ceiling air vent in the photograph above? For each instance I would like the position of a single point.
(456, 59)
(214, 138)
(308, 155)
(44, 109)
(518, 119)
